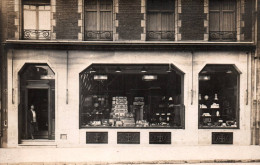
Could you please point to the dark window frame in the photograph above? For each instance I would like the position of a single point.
(98, 34)
(161, 35)
(221, 34)
(237, 105)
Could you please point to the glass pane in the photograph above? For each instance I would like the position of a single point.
(214, 4)
(168, 5)
(167, 21)
(91, 4)
(218, 96)
(32, 7)
(154, 22)
(41, 7)
(131, 99)
(105, 21)
(29, 18)
(26, 7)
(160, 5)
(91, 21)
(229, 21)
(48, 7)
(44, 20)
(106, 5)
(214, 21)
(229, 5)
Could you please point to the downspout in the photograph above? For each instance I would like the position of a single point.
(255, 98)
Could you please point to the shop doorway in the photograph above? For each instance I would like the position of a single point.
(37, 87)
(40, 99)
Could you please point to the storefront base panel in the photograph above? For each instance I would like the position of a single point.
(153, 154)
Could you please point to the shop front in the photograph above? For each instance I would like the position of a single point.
(119, 97)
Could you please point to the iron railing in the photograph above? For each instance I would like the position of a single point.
(223, 35)
(160, 35)
(99, 35)
(32, 34)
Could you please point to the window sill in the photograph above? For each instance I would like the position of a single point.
(214, 127)
(104, 127)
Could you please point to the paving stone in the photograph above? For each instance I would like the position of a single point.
(49, 163)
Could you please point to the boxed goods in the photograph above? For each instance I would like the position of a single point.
(119, 124)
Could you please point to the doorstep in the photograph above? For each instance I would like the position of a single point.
(38, 143)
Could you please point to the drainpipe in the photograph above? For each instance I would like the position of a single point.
(255, 109)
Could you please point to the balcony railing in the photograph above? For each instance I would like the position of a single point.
(223, 35)
(32, 34)
(160, 35)
(99, 35)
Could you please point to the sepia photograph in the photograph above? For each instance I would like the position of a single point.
(129, 82)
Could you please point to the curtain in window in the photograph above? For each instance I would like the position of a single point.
(98, 19)
(36, 21)
(160, 19)
(222, 20)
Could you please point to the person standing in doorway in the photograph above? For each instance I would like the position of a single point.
(32, 122)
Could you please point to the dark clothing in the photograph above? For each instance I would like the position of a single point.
(32, 126)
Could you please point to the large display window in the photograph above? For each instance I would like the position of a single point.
(219, 97)
(131, 95)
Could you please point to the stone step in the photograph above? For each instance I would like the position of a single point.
(38, 142)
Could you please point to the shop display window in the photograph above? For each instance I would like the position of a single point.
(131, 96)
(219, 97)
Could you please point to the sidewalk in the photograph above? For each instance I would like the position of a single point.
(132, 155)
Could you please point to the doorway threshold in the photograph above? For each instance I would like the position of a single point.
(38, 143)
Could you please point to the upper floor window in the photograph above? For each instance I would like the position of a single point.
(98, 20)
(222, 20)
(160, 20)
(36, 19)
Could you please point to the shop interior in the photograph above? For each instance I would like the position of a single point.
(140, 95)
(218, 96)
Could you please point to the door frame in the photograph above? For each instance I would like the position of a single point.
(39, 85)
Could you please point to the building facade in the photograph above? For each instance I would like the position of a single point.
(111, 72)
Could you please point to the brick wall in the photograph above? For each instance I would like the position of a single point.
(129, 20)
(192, 19)
(8, 19)
(67, 17)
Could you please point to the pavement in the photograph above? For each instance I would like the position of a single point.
(131, 154)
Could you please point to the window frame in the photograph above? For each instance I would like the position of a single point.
(160, 33)
(182, 104)
(220, 34)
(237, 108)
(98, 31)
(45, 33)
